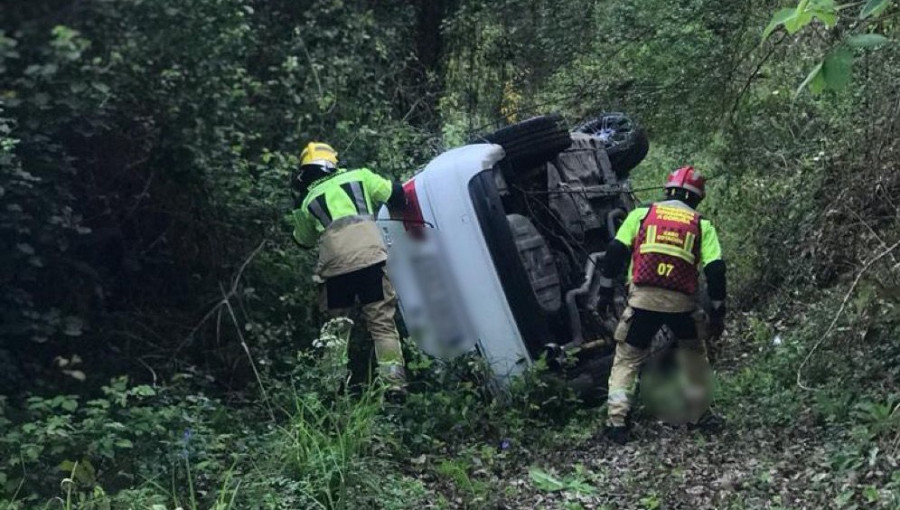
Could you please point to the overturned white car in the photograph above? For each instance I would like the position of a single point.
(502, 241)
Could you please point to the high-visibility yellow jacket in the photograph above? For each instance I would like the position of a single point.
(663, 300)
(338, 212)
(710, 249)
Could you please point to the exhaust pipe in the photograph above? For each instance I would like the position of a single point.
(591, 284)
(611, 218)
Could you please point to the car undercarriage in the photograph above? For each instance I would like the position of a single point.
(563, 194)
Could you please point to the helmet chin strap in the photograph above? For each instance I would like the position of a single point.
(310, 173)
(318, 168)
(324, 164)
(684, 195)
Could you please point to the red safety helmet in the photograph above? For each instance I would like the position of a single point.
(689, 179)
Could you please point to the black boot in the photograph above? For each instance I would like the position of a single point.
(709, 423)
(396, 395)
(616, 434)
(393, 377)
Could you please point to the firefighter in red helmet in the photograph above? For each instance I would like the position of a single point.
(667, 244)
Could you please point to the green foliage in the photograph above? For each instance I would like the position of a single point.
(836, 69)
(874, 8)
(457, 472)
(459, 401)
(867, 41)
(651, 501)
(146, 151)
(848, 404)
(141, 446)
(806, 11)
(575, 483)
(834, 72)
(132, 429)
(325, 445)
(879, 419)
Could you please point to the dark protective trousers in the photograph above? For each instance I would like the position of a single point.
(371, 289)
(634, 335)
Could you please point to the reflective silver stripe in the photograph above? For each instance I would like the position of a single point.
(321, 214)
(359, 196)
(618, 396)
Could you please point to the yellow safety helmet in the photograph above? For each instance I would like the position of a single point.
(318, 153)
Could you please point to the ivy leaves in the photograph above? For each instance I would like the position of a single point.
(874, 8)
(834, 72)
(831, 74)
(806, 11)
(867, 41)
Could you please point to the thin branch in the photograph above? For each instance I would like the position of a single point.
(235, 282)
(890, 135)
(150, 369)
(312, 66)
(140, 197)
(839, 312)
(755, 73)
(871, 230)
(237, 327)
(237, 278)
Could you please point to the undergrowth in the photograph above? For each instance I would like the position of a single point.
(328, 446)
(845, 392)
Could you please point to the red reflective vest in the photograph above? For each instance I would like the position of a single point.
(666, 253)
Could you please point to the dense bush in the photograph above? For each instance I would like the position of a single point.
(146, 152)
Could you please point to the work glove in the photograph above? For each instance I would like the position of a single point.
(717, 319)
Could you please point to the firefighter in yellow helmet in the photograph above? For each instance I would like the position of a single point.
(335, 210)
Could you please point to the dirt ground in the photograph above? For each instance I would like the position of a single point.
(803, 464)
(672, 468)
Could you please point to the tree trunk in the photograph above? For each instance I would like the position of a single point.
(428, 74)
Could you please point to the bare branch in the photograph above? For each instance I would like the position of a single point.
(237, 327)
(235, 282)
(839, 312)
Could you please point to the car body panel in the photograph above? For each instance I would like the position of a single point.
(450, 294)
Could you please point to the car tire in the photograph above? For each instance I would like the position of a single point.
(626, 142)
(531, 142)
